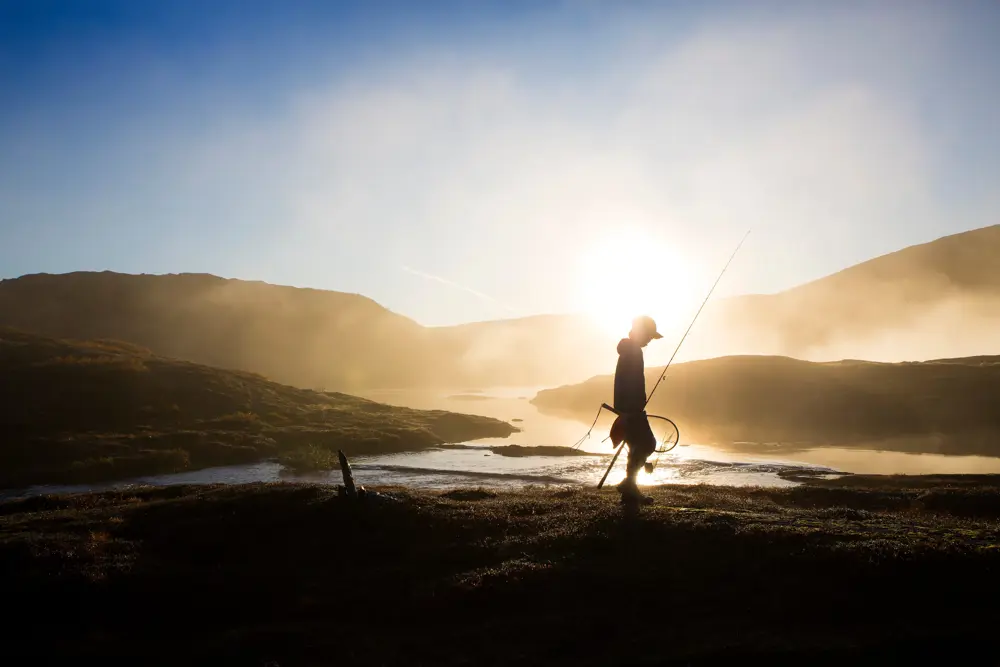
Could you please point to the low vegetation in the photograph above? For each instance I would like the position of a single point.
(860, 571)
(309, 458)
(946, 406)
(93, 411)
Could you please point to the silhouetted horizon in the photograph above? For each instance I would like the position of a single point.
(935, 300)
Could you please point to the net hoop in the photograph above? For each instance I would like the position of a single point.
(667, 444)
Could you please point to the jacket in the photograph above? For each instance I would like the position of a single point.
(630, 378)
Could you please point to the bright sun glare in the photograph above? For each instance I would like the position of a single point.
(630, 273)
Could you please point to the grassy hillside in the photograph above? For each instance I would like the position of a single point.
(293, 575)
(949, 406)
(74, 411)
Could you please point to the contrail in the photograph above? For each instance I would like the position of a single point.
(445, 281)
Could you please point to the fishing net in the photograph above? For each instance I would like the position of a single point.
(670, 434)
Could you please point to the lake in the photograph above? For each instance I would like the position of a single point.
(476, 465)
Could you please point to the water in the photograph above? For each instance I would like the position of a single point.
(476, 465)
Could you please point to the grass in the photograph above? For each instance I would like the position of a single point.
(73, 411)
(309, 458)
(295, 575)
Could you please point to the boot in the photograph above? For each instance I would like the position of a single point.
(630, 493)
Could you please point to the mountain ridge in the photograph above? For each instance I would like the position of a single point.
(934, 299)
(301, 336)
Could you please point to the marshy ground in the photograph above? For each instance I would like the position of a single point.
(865, 569)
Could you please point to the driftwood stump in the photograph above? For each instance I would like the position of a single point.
(350, 489)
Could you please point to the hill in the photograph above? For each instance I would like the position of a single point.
(947, 406)
(305, 337)
(85, 411)
(933, 299)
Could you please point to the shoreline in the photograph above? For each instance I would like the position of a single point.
(376, 471)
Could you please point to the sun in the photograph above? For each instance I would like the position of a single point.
(629, 273)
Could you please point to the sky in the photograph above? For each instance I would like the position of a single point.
(464, 161)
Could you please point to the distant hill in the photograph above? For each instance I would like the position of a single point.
(305, 337)
(946, 406)
(310, 338)
(81, 411)
(934, 299)
(528, 351)
(927, 301)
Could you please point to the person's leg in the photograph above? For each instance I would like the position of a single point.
(641, 443)
(628, 488)
(636, 457)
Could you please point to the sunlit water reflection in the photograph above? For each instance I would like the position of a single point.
(477, 465)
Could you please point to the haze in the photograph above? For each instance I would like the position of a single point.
(460, 163)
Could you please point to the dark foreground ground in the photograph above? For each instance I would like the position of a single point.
(877, 573)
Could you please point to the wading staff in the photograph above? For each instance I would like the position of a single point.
(681, 342)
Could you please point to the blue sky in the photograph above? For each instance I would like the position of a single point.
(474, 160)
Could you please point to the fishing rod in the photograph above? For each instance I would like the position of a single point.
(671, 360)
(707, 297)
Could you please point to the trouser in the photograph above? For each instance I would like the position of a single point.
(641, 443)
